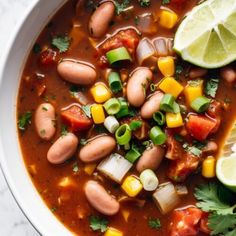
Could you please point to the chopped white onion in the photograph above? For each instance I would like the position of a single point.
(149, 180)
(166, 197)
(115, 167)
(144, 50)
(181, 189)
(111, 124)
(163, 46)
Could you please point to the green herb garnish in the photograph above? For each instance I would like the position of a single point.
(61, 43)
(98, 224)
(120, 7)
(87, 110)
(212, 87)
(24, 120)
(145, 3)
(64, 130)
(136, 124)
(154, 223)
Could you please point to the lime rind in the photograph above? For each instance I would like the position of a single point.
(207, 36)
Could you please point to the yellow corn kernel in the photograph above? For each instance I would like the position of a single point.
(132, 186)
(193, 91)
(113, 232)
(67, 182)
(171, 86)
(100, 93)
(209, 167)
(168, 19)
(174, 120)
(166, 65)
(125, 214)
(97, 113)
(89, 168)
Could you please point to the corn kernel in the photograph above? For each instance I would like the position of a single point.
(171, 86)
(166, 65)
(89, 168)
(168, 19)
(97, 113)
(67, 182)
(132, 186)
(191, 91)
(209, 167)
(174, 120)
(113, 232)
(125, 214)
(100, 93)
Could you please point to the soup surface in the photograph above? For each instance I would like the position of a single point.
(114, 127)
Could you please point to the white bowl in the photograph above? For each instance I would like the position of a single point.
(36, 17)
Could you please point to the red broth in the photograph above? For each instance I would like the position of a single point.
(41, 83)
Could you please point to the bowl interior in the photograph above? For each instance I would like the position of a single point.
(36, 17)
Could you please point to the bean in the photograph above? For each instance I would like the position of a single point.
(101, 18)
(63, 149)
(100, 199)
(197, 72)
(45, 121)
(137, 85)
(228, 74)
(151, 159)
(152, 105)
(77, 72)
(96, 149)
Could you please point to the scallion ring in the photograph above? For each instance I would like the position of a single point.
(114, 82)
(132, 155)
(200, 104)
(160, 118)
(124, 108)
(157, 136)
(149, 180)
(167, 103)
(123, 134)
(112, 106)
(117, 55)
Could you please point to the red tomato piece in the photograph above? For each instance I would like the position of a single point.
(204, 223)
(200, 126)
(48, 57)
(185, 222)
(179, 169)
(178, 1)
(75, 118)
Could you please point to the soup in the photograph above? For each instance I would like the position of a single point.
(115, 129)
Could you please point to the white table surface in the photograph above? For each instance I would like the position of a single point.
(12, 220)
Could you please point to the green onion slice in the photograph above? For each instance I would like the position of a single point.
(152, 87)
(200, 104)
(123, 134)
(135, 124)
(160, 118)
(132, 155)
(149, 180)
(157, 136)
(117, 55)
(114, 82)
(168, 104)
(124, 108)
(112, 106)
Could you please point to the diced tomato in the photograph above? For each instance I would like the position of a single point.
(185, 222)
(178, 1)
(75, 118)
(200, 126)
(204, 223)
(48, 57)
(179, 169)
(124, 38)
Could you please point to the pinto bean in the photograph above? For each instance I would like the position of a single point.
(63, 149)
(77, 72)
(98, 148)
(137, 85)
(210, 147)
(152, 105)
(197, 72)
(100, 199)
(101, 18)
(45, 121)
(151, 159)
(228, 74)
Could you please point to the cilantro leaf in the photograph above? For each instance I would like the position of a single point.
(120, 7)
(154, 223)
(62, 43)
(214, 197)
(212, 87)
(98, 224)
(87, 110)
(222, 224)
(192, 150)
(145, 3)
(165, 2)
(24, 120)
(64, 130)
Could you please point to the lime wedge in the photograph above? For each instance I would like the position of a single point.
(207, 36)
(226, 171)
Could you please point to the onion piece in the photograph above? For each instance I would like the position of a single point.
(115, 167)
(166, 197)
(181, 189)
(111, 124)
(163, 46)
(144, 51)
